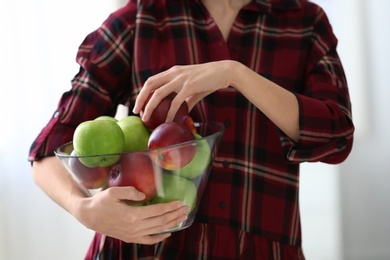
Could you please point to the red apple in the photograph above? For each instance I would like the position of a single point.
(159, 114)
(89, 178)
(172, 153)
(137, 170)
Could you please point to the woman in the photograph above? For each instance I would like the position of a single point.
(267, 69)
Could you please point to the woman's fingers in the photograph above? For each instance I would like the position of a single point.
(165, 211)
(190, 83)
(130, 193)
(132, 223)
(126, 193)
(153, 102)
(160, 223)
(141, 229)
(161, 85)
(151, 84)
(176, 102)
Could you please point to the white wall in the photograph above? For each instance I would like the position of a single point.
(345, 209)
(39, 41)
(351, 202)
(319, 192)
(365, 177)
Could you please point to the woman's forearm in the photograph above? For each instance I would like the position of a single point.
(277, 103)
(57, 183)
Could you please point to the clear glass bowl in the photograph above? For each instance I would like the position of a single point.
(146, 170)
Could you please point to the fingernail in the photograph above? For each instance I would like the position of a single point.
(180, 204)
(141, 195)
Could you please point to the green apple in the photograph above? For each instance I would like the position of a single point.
(110, 118)
(135, 132)
(98, 137)
(174, 188)
(200, 162)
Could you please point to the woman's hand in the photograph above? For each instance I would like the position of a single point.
(191, 83)
(194, 82)
(107, 213)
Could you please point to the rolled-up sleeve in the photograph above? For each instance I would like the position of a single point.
(325, 119)
(100, 85)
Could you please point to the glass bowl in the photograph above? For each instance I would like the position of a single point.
(151, 171)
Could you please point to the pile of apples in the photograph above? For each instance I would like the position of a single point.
(156, 157)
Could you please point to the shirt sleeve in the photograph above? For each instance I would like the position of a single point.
(99, 86)
(325, 121)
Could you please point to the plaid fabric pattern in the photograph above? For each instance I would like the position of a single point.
(250, 208)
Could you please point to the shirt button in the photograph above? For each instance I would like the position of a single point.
(234, 49)
(225, 164)
(222, 204)
(227, 122)
(56, 114)
(341, 144)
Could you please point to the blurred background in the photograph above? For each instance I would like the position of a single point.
(345, 208)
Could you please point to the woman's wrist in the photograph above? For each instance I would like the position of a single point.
(76, 201)
(236, 71)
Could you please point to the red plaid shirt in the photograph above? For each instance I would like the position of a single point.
(250, 209)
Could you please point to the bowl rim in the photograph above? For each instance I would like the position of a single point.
(197, 124)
